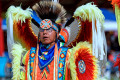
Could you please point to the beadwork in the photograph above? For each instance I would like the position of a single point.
(81, 66)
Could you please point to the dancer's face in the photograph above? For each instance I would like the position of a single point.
(47, 36)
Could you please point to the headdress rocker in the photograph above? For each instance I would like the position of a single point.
(80, 33)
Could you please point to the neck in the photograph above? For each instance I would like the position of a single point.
(51, 45)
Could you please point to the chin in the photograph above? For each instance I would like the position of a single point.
(46, 42)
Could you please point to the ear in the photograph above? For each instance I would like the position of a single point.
(57, 35)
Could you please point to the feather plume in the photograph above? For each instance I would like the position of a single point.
(91, 21)
(19, 28)
(73, 30)
(50, 10)
(83, 32)
(10, 39)
(18, 13)
(35, 29)
(89, 11)
(17, 51)
(72, 66)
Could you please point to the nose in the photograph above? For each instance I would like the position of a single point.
(45, 31)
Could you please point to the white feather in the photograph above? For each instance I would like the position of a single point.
(73, 30)
(10, 40)
(92, 13)
(95, 39)
(35, 29)
(93, 32)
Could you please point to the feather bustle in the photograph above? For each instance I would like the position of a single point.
(83, 51)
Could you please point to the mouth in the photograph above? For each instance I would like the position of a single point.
(45, 37)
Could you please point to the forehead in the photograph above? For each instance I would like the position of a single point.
(46, 24)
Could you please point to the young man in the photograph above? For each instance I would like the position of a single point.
(50, 59)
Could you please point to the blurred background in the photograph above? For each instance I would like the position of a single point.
(110, 27)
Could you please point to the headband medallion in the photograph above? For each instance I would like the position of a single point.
(47, 23)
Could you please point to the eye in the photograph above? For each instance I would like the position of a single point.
(49, 30)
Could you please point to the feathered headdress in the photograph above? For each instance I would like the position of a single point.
(50, 10)
(54, 12)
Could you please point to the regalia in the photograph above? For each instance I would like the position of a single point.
(78, 54)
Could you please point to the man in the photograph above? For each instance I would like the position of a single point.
(49, 59)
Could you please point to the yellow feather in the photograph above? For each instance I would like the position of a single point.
(72, 66)
(89, 11)
(117, 14)
(74, 54)
(18, 13)
(17, 51)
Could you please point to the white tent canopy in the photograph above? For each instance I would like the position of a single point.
(110, 25)
(110, 20)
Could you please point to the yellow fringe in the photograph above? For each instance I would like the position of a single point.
(72, 66)
(89, 11)
(17, 51)
(18, 13)
(117, 14)
(73, 57)
(22, 77)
